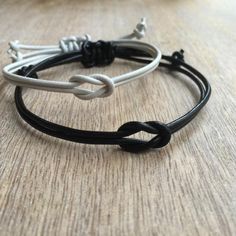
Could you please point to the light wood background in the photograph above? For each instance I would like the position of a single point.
(54, 187)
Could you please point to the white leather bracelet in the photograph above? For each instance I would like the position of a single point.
(40, 53)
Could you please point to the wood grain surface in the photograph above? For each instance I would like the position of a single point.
(54, 187)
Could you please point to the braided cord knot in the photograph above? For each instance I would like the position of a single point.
(163, 135)
(98, 53)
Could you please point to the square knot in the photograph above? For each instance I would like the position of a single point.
(96, 79)
(163, 135)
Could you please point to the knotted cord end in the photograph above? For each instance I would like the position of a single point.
(178, 57)
(14, 52)
(139, 31)
(141, 28)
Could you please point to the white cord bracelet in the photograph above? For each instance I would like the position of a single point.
(69, 44)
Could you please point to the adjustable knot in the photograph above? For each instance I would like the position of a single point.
(23, 71)
(73, 43)
(98, 53)
(140, 30)
(96, 79)
(178, 57)
(163, 135)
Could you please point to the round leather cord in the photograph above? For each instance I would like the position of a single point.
(162, 131)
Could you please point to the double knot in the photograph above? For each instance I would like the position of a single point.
(96, 79)
(98, 53)
(162, 132)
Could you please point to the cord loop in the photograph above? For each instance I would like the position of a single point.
(98, 53)
(153, 127)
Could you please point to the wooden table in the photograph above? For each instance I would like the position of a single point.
(54, 187)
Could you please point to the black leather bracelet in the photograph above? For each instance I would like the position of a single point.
(120, 137)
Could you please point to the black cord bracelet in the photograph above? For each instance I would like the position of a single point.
(95, 56)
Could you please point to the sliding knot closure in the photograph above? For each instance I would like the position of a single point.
(73, 43)
(98, 53)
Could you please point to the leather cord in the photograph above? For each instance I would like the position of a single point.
(93, 52)
(120, 137)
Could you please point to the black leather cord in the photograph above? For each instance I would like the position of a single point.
(103, 53)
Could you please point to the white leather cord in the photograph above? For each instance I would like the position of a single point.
(105, 83)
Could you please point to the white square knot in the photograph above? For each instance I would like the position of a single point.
(96, 79)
